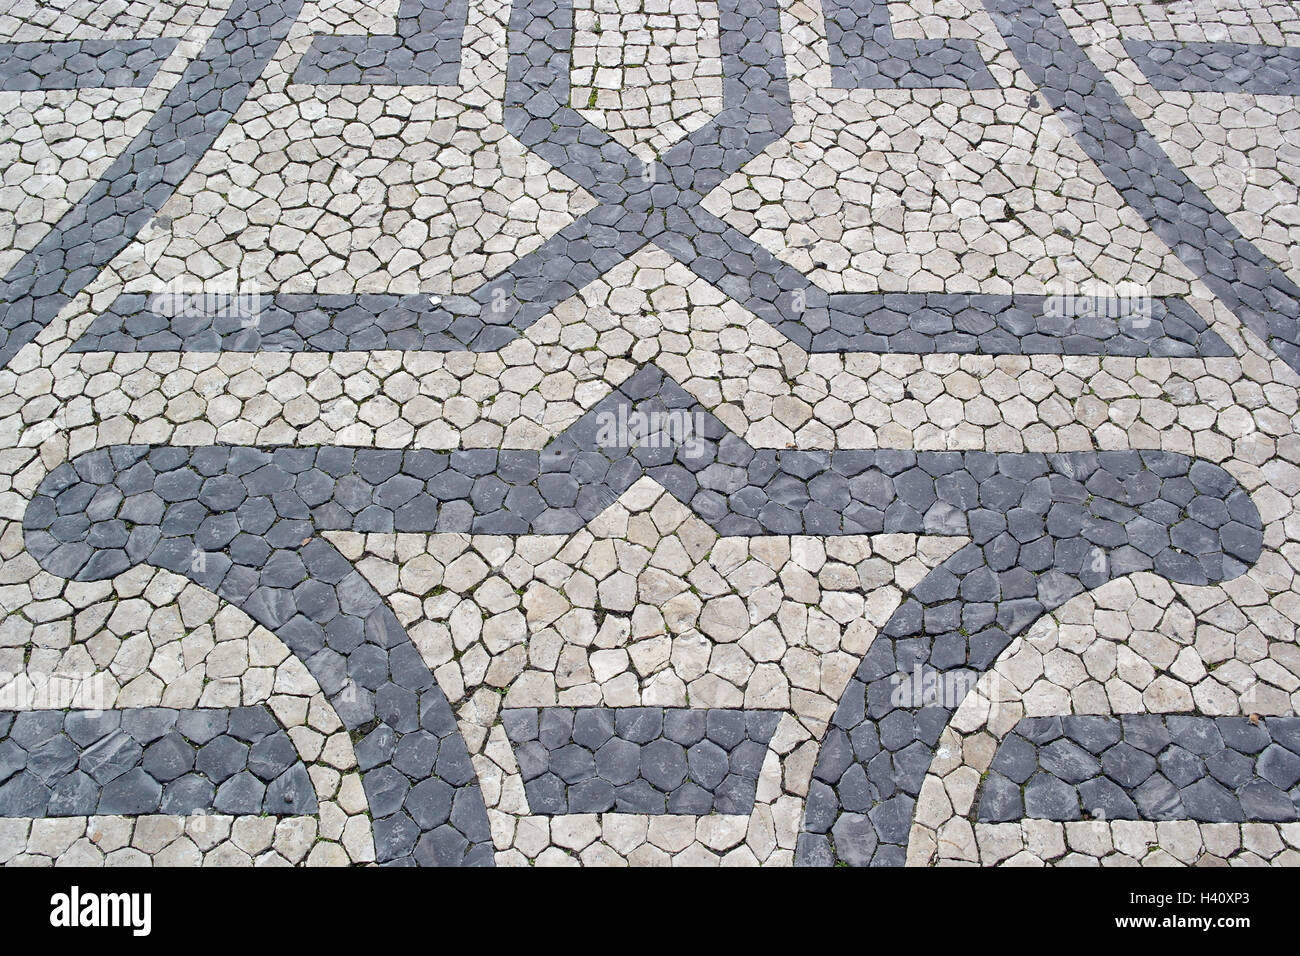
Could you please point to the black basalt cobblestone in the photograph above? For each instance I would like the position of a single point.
(81, 64)
(865, 54)
(1219, 67)
(424, 50)
(56, 763)
(1146, 767)
(639, 759)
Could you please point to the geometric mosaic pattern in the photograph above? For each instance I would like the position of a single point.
(145, 174)
(467, 432)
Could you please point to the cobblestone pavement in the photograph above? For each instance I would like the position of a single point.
(649, 432)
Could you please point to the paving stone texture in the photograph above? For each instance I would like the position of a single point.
(649, 432)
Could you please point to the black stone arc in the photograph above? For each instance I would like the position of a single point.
(1044, 528)
(232, 521)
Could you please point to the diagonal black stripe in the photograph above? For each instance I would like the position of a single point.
(145, 175)
(1250, 284)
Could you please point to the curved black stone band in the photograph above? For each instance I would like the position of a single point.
(649, 760)
(1043, 529)
(1146, 767)
(892, 322)
(130, 193)
(56, 763)
(229, 521)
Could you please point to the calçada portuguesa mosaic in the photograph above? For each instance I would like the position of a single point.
(647, 432)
